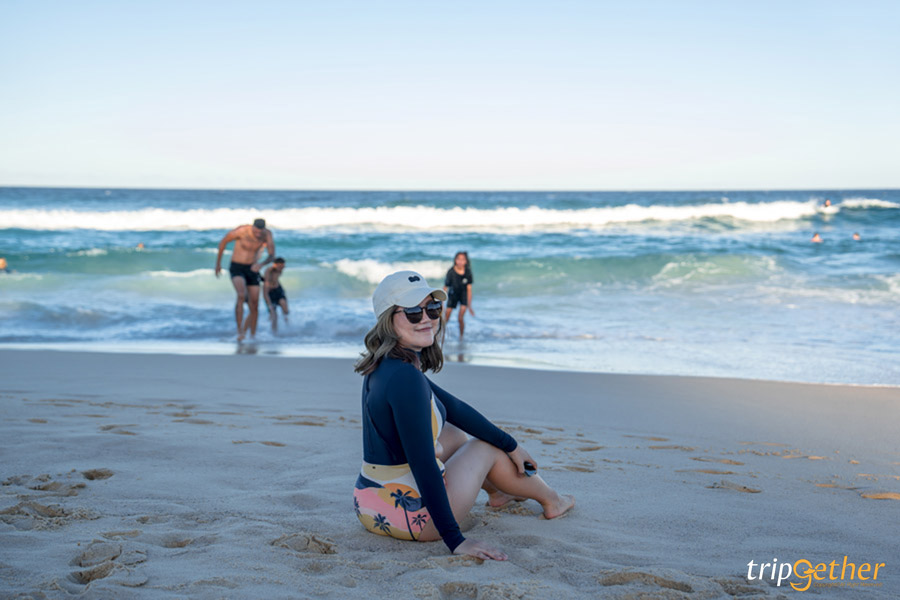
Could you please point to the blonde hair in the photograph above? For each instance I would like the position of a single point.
(382, 340)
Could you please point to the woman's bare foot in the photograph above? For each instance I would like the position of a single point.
(559, 507)
(499, 499)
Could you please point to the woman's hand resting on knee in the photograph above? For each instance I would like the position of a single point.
(519, 456)
(480, 550)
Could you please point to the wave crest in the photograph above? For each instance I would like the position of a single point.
(405, 218)
(868, 203)
(373, 271)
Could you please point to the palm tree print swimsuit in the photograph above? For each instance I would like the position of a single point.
(400, 487)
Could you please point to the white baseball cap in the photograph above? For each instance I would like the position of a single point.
(404, 289)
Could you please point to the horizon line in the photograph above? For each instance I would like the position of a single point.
(449, 190)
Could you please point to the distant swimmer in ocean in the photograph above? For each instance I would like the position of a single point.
(244, 268)
(458, 285)
(421, 472)
(827, 203)
(856, 237)
(816, 238)
(273, 293)
(3, 267)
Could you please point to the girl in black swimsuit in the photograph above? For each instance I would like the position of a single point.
(458, 285)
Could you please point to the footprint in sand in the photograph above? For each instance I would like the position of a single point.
(60, 403)
(579, 468)
(57, 488)
(100, 560)
(96, 553)
(670, 583)
(467, 590)
(648, 438)
(881, 495)
(152, 519)
(837, 486)
(16, 480)
(118, 535)
(724, 461)
(61, 486)
(709, 471)
(50, 487)
(120, 429)
(266, 443)
(93, 474)
(728, 485)
(305, 543)
(790, 454)
(30, 515)
(174, 540)
(876, 477)
(194, 421)
(86, 576)
(304, 420)
(761, 444)
(632, 577)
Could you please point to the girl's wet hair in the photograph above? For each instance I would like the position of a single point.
(463, 253)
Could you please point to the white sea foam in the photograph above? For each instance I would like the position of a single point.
(868, 203)
(180, 274)
(19, 276)
(719, 269)
(401, 218)
(90, 252)
(373, 271)
(886, 296)
(893, 284)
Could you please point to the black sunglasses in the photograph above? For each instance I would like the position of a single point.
(414, 314)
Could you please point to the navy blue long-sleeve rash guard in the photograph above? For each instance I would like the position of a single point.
(396, 405)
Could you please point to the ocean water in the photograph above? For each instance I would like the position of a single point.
(689, 283)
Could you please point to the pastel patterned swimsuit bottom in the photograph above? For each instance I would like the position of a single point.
(388, 502)
(386, 497)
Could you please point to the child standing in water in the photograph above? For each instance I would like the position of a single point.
(458, 285)
(274, 293)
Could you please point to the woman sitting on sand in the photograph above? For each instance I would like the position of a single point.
(421, 473)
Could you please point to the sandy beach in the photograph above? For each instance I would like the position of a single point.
(165, 476)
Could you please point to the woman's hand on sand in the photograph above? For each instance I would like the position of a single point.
(480, 550)
(519, 456)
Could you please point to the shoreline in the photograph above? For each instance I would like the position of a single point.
(157, 476)
(271, 349)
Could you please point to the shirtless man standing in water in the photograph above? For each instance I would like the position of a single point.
(248, 242)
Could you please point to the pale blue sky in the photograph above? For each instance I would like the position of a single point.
(456, 95)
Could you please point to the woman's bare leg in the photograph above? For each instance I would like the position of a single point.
(452, 438)
(477, 460)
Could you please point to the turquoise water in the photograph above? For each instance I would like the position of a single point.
(692, 283)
